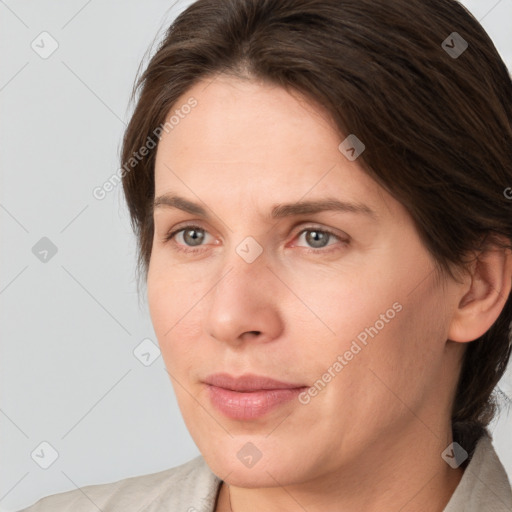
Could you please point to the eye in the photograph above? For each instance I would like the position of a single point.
(189, 234)
(318, 238)
(192, 237)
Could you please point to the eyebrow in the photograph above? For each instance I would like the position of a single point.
(278, 211)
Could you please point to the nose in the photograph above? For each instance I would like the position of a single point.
(244, 304)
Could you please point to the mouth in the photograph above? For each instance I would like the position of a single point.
(249, 382)
(249, 396)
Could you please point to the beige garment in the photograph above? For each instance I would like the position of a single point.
(192, 487)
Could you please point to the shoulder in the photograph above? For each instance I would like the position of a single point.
(484, 485)
(189, 487)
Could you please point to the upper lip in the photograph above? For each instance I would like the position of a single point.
(248, 382)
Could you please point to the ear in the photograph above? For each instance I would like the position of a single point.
(490, 282)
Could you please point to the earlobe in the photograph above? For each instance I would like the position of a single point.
(490, 281)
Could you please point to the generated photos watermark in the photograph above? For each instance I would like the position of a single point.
(109, 185)
(355, 348)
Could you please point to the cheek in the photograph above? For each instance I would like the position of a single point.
(172, 302)
(390, 340)
(172, 290)
(339, 305)
(402, 362)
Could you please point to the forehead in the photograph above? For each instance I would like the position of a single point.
(248, 119)
(256, 140)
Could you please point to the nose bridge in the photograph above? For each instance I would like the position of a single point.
(244, 267)
(249, 250)
(244, 257)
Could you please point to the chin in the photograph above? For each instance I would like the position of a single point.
(226, 460)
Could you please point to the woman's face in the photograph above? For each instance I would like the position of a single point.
(338, 301)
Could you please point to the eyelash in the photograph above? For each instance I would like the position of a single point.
(167, 238)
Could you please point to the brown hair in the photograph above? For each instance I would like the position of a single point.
(436, 126)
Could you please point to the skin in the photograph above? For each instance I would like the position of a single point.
(372, 438)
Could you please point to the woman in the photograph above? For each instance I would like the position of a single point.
(320, 191)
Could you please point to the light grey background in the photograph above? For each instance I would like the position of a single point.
(70, 325)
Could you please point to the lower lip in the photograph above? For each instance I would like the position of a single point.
(251, 404)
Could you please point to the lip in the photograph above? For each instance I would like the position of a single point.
(248, 382)
(250, 396)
